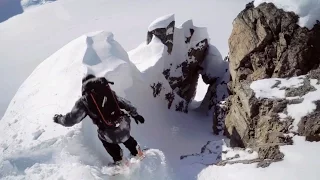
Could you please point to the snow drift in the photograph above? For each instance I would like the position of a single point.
(34, 147)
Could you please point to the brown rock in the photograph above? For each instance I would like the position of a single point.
(267, 42)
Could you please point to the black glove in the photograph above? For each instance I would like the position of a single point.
(138, 119)
(56, 118)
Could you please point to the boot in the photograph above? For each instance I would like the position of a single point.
(140, 154)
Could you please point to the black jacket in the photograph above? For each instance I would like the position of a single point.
(84, 106)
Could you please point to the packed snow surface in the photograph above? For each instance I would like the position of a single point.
(307, 10)
(33, 147)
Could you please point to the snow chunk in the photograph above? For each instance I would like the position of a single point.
(161, 22)
(274, 87)
(307, 10)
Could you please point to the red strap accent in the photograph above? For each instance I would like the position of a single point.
(108, 123)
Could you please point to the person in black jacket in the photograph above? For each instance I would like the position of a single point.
(111, 131)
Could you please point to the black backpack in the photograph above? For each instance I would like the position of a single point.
(105, 102)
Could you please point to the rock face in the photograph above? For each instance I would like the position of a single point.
(266, 42)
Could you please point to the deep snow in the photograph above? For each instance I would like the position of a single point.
(34, 147)
(33, 36)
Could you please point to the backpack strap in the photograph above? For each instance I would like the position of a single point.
(115, 99)
(107, 122)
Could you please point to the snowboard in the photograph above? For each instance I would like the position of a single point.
(126, 166)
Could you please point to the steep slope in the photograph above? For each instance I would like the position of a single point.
(31, 37)
(34, 147)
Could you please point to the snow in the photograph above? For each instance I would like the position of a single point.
(274, 88)
(307, 10)
(38, 32)
(161, 22)
(34, 147)
(300, 162)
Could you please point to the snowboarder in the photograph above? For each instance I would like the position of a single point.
(106, 110)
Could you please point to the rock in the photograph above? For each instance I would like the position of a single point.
(309, 125)
(266, 42)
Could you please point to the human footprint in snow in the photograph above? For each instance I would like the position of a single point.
(109, 112)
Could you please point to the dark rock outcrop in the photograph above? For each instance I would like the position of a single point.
(266, 42)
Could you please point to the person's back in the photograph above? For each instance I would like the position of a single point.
(106, 110)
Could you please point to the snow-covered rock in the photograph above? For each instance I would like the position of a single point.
(184, 53)
(161, 22)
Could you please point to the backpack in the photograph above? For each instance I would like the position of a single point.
(106, 104)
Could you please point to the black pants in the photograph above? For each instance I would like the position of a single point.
(115, 150)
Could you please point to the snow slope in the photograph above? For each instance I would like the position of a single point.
(307, 10)
(31, 37)
(33, 147)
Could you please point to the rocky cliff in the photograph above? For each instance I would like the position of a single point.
(266, 42)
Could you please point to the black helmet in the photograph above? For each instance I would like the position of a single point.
(87, 77)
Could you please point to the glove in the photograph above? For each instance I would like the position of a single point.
(138, 119)
(56, 118)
